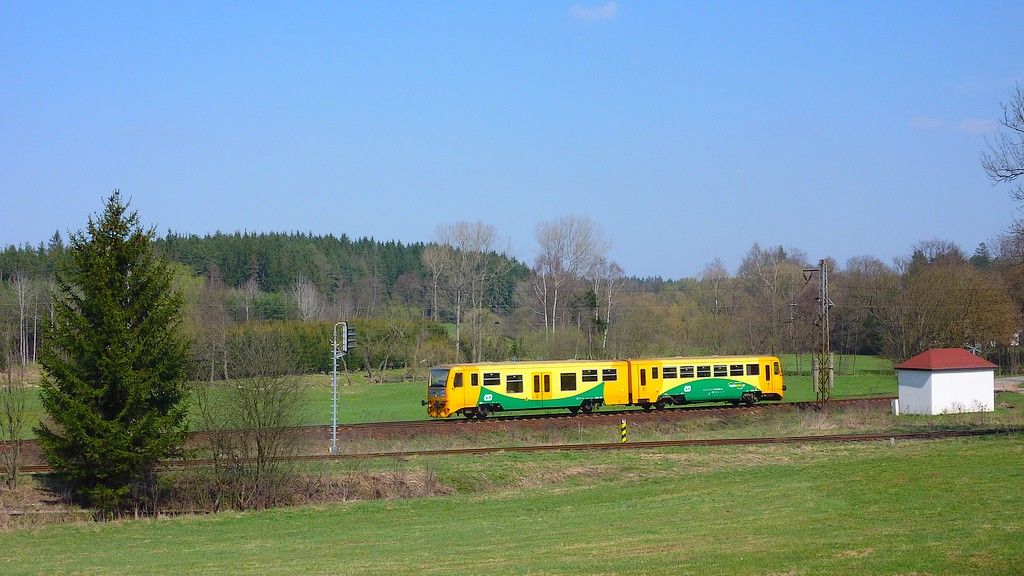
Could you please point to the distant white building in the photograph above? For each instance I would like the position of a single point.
(946, 380)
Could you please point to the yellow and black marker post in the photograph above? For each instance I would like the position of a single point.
(622, 431)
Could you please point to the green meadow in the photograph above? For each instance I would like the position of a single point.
(923, 507)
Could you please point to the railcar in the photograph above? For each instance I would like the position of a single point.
(476, 390)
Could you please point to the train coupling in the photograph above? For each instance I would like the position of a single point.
(423, 402)
(783, 387)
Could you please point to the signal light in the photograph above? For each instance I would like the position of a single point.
(348, 341)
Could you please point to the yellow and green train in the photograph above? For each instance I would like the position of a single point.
(475, 390)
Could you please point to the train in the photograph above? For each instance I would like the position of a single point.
(478, 389)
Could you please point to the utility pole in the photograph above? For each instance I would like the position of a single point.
(823, 374)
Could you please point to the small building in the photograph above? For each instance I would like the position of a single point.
(946, 380)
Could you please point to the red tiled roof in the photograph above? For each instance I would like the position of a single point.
(945, 359)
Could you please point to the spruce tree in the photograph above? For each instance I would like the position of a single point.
(114, 363)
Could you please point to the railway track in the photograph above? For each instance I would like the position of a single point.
(763, 441)
(601, 416)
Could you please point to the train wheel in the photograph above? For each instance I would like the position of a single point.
(481, 413)
(574, 409)
(587, 407)
(749, 398)
(660, 404)
(646, 406)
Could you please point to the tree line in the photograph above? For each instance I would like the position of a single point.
(462, 297)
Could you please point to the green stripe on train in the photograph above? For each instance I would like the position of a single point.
(488, 396)
(711, 389)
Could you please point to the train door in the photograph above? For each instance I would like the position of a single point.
(541, 387)
(457, 394)
(654, 383)
(646, 383)
(473, 389)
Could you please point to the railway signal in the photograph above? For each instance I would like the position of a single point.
(348, 336)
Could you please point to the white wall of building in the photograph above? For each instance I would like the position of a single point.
(946, 391)
(915, 393)
(963, 391)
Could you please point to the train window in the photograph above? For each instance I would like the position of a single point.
(669, 372)
(568, 380)
(492, 378)
(753, 369)
(589, 376)
(458, 380)
(736, 370)
(514, 383)
(776, 368)
(654, 372)
(536, 383)
(686, 371)
(610, 374)
(703, 371)
(721, 370)
(474, 379)
(768, 372)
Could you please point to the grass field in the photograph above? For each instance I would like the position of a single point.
(936, 507)
(363, 401)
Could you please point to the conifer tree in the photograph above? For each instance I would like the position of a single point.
(114, 363)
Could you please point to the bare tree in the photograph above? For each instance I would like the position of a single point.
(470, 272)
(1004, 161)
(307, 298)
(249, 424)
(250, 290)
(607, 281)
(211, 325)
(713, 280)
(568, 248)
(436, 259)
(13, 395)
(22, 286)
(770, 277)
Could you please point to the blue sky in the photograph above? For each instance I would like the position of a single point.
(687, 130)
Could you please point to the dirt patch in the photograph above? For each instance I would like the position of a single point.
(34, 503)
(1010, 384)
(373, 486)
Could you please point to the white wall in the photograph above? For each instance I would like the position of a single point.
(963, 391)
(915, 394)
(946, 391)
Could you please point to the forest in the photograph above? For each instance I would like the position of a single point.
(461, 298)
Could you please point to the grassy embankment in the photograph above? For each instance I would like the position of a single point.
(700, 425)
(936, 507)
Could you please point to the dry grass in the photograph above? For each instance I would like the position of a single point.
(34, 504)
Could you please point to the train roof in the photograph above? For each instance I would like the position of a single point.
(609, 360)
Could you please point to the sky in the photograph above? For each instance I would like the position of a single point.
(687, 131)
